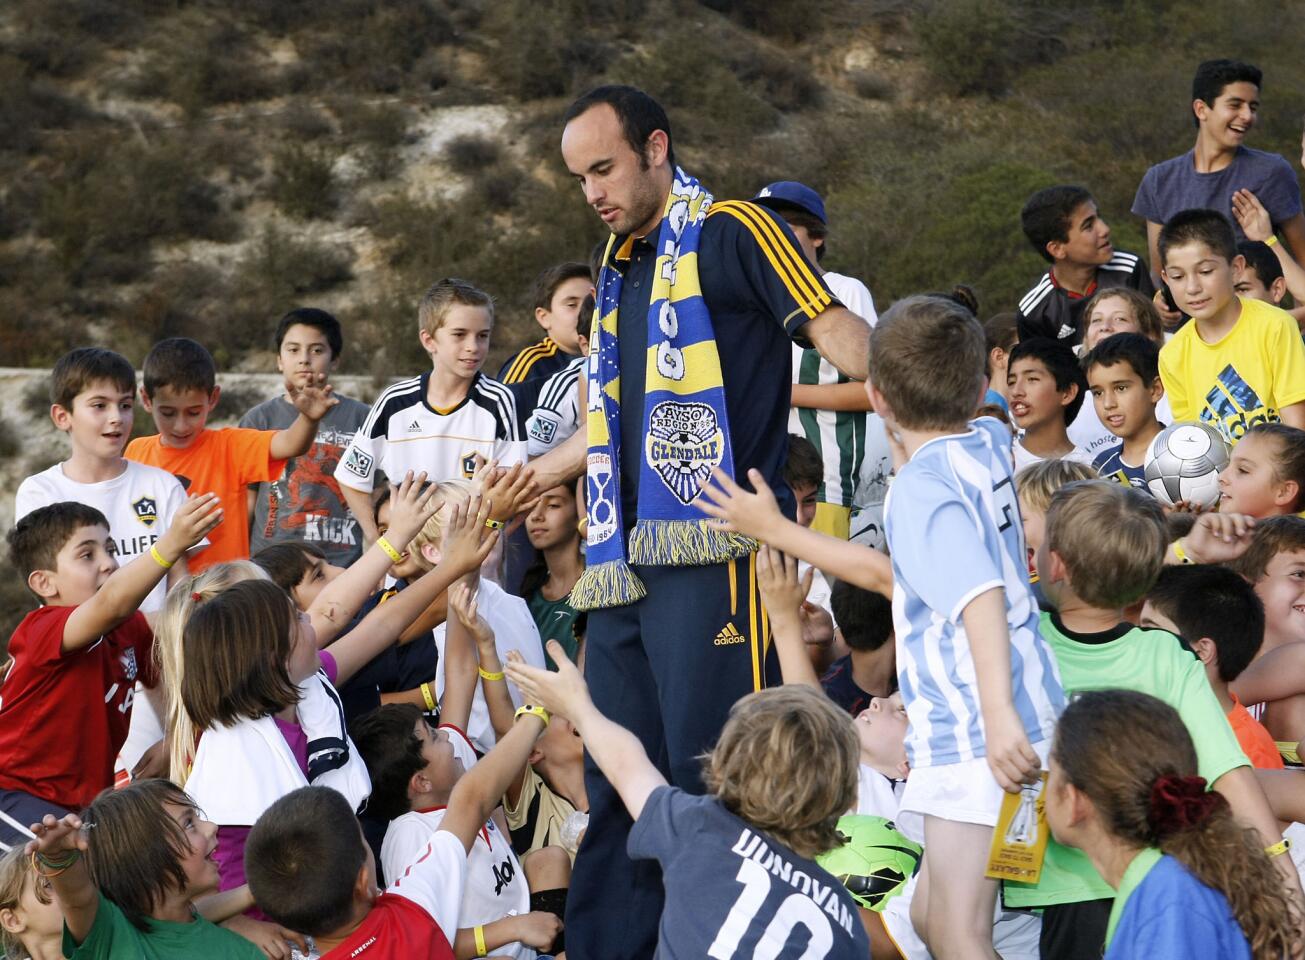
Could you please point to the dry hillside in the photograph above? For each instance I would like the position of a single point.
(197, 167)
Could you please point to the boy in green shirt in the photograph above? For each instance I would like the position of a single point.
(1104, 546)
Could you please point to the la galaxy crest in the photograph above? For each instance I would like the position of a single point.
(683, 445)
(147, 510)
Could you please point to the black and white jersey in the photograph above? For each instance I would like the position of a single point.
(404, 432)
(1048, 310)
(557, 415)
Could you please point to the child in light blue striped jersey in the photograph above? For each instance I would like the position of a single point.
(980, 686)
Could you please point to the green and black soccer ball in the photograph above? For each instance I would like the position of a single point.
(874, 861)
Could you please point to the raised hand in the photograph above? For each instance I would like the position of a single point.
(468, 540)
(411, 505)
(1218, 537)
(510, 491)
(313, 397)
(734, 509)
(1251, 216)
(562, 692)
(191, 524)
(57, 836)
(463, 604)
(782, 592)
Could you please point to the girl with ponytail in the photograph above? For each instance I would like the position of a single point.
(1190, 881)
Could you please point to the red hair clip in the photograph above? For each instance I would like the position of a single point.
(195, 598)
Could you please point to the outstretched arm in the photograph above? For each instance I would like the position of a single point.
(335, 606)
(123, 592)
(842, 338)
(1257, 225)
(831, 396)
(1275, 675)
(62, 842)
(467, 544)
(1251, 808)
(617, 752)
(482, 787)
(782, 594)
(757, 515)
(312, 400)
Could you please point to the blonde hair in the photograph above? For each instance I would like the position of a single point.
(432, 533)
(168, 631)
(1111, 538)
(15, 875)
(1145, 314)
(433, 308)
(786, 762)
(1035, 484)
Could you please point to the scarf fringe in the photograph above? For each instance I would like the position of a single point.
(685, 543)
(608, 584)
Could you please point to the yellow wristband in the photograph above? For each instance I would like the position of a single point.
(478, 931)
(1273, 238)
(537, 711)
(1279, 848)
(486, 675)
(388, 547)
(1180, 553)
(428, 697)
(158, 558)
(494, 524)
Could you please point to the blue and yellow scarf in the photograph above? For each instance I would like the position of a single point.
(686, 430)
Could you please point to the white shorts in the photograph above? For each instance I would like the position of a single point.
(964, 792)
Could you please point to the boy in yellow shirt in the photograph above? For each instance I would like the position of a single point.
(1238, 362)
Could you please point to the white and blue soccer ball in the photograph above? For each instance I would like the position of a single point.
(1184, 463)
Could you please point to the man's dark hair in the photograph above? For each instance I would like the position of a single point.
(392, 752)
(78, 370)
(1198, 226)
(1213, 75)
(287, 562)
(1047, 216)
(1209, 600)
(1261, 259)
(546, 283)
(136, 849)
(35, 540)
(639, 114)
(302, 859)
(179, 363)
(1139, 352)
(803, 468)
(864, 617)
(1060, 363)
(321, 321)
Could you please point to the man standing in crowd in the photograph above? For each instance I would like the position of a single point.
(699, 302)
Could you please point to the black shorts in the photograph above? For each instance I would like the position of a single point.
(1075, 931)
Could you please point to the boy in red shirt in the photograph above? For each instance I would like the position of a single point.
(310, 869)
(66, 694)
(180, 391)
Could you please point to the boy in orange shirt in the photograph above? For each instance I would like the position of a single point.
(180, 391)
(1218, 615)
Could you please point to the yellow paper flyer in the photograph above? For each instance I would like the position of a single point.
(1019, 841)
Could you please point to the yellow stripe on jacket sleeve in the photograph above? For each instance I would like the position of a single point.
(794, 258)
(789, 264)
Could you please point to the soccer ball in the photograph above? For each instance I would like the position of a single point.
(1184, 463)
(874, 861)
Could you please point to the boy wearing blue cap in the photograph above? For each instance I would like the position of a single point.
(828, 409)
